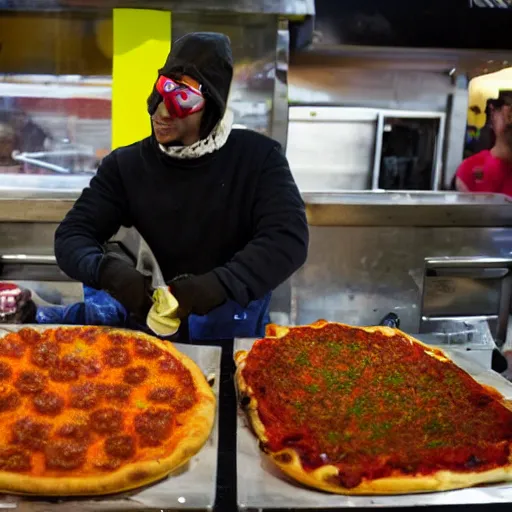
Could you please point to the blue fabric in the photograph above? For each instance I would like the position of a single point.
(231, 321)
(227, 321)
(98, 308)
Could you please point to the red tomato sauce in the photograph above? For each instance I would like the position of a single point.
(373, 405)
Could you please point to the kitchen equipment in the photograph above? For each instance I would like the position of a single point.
(459, 289)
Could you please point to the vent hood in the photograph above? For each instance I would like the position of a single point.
(283, 7)
(431, 24)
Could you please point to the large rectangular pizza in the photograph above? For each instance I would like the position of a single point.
(355, 410)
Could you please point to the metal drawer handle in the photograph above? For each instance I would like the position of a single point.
(469, 272)
(27, 258)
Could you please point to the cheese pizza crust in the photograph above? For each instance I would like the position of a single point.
(327, 477)
(93, 411)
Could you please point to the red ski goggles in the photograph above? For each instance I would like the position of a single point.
(181, 98)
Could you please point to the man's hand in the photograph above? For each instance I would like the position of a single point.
(126, 285)
(197, 295)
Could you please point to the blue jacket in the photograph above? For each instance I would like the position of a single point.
(227, 321)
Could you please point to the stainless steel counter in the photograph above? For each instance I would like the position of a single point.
(407, 209)
(30, 203)
(34, 210)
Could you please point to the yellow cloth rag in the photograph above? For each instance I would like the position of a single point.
(162, 318)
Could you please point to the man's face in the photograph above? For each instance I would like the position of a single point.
(169, 129)
(501, 117)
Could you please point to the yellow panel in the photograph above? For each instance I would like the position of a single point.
(485, 87)
(142, 40)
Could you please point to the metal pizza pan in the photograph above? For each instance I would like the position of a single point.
(192, 487)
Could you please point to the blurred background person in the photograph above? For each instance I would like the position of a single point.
(489, 170)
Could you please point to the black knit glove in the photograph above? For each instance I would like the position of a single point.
(197, 295)
(127, 285)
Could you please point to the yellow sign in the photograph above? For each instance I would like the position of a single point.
(142, 41)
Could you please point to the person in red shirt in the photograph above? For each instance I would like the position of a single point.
(490, 170)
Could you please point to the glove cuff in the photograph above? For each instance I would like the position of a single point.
(128, 286)
(108, 267)
(215, 290)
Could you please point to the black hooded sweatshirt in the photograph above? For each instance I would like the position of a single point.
(235, 214)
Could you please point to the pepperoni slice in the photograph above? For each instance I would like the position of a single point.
(117, 339)
(64, 335)
(29, 433)
(65, 454)
(5, 371)
(30, 382)
(14, 459)
(29, 336)
(9, 400)
(66, 369)
(90, 335)
(186, 380)
(106, 421)
(179, 400)
(12, 346)
(121, 447)
(135, 375)
(45, 354)
(84, 396)
(77, 431)
(146, 349)
(162, 395)
(117, 357)
(170, 364)
(116, 392)
(91, 367)
(153, 426)
(49, 403)
(184, 401)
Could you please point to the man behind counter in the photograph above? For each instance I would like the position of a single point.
(490, 170)
(217, 206)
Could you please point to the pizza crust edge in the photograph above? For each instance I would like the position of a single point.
(288, 461)
(135, 474)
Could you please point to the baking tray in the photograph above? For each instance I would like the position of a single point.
(261, 486)
(191, 487)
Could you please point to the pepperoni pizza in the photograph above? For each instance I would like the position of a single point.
(371, 411)
(88, 410)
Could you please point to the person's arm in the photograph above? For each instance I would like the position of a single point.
(96, 216)
(460, 185)
(278, 247)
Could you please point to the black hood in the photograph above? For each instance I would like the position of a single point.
(206, 57)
